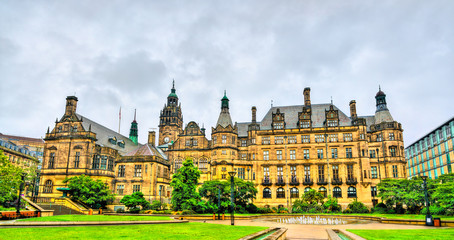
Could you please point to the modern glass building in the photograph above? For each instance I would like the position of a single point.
(432, 155)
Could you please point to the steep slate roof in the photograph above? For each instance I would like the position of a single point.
(103, 134)
(242, 128)
(18, 138)
(147, 150)
(224, 118)
(383, 116)
(291, 116)
(370, 120)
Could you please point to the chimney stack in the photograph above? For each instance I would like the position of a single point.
(71, 105)
(353, 109)
(254, 114)
(307, 97)
(151, 137)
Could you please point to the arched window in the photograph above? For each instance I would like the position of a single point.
(48, 186)
(280, 193)
(266, 193)
(337, 192)
(351, 192)
(307, 189)
(203, 164)
(294, 193)
(178, 164)
(322, 190)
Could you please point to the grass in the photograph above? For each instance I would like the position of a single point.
(90, 218)
(420, 234)
(193, 230)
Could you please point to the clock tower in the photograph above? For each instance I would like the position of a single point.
(170, 119)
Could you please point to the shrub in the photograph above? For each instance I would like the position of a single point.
(156, 205)
(434, 210)
(121, 210)
(331, 205)
(134, 210)
(251, 208)
(356, 207)
(187, 212)
(264, 210)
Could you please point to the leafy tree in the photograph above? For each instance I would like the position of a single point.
(135, 200)
(10, 180)
(311, 201)
(332, 205)
(312, 197)
(443, 194)
(94, 193)
(184, 184)
(156, 205)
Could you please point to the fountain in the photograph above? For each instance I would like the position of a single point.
(315, 220)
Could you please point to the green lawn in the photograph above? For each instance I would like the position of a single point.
(193, 230)
(420, 234)
(84, 218)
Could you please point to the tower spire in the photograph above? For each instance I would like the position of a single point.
(133, 132)
(135, 110)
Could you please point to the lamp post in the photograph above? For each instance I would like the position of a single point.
(429, 219)
(232, 198)
(20, 192)
(378, 163)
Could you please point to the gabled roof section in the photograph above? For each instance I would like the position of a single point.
(103, 134)
(242, 128)
(147, 150)
(291, 116)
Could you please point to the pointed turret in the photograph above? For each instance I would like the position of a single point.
(224, 118)
(133, 132)
(382, 113)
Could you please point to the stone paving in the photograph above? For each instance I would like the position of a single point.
(301, 231)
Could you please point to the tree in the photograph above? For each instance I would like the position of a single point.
(10, 180)
(135, 200)
(443, 194)
(184, 184)
(94, 193)
(309, 202)
(312, 197)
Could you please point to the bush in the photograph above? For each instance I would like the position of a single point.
(356, 207)
(187, 212)
(134, 210)
(434, 210)
(331, 205)
(156, 205)
(251, 208)
(264, 210)
(121, 210)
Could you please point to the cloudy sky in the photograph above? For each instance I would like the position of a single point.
(126, 53)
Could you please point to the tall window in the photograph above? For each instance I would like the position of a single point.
(279, 154)
(224, 139)
(322, 190)
(266, 174)
(280, 174)
(293, 173)
(348, 153)
(348, 137)
(350, 171)
(395, 173)
(307, 189)
(215, 139)
(319, 138)
(332, 137)
(373, 191)
(321, 173)
(103, 162)
(391, 136)
(307, 173)
(336, 172)
(266, 193)
(372, 153)
(48, 186)
(305, 139)
(203, 164)
(135, 188)
(379, 137)
(306, 153)
(110, 164)
(280, 193)
(77, 160)
(243, 143)
(373, 172)
(334, 153)
(120, 189)
(96, 159)
(240, 173)
(320, 153)
(294, 193)
(266, 155)
(121, 170)
(178, 164)
(292, 154)
(137, 170)
(392, 150)
(351, 192)
(51, 160)
(337, 192)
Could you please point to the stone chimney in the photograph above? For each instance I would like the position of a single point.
(254, 114)
(71, 105)
(353, 109)
(151, 137)
(307, 97)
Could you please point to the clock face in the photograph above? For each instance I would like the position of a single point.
(166, 139)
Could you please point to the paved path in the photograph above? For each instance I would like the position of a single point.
(301, 231)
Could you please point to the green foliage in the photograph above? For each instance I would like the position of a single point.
(312, 202)
(245, 191)
(356, 207)
(156, 205)
(184, 184)
(443, 194)
(332, 205)
(312, 197)
(134, 201)
(94, 193)
(10, 180)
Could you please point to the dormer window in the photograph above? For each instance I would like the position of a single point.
(278, 120)
(333, 123)
(121, 143)
(74, 129)
(305, 124)
(113, 140)
(332, 117)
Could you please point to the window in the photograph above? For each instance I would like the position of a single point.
(332, 137)
(243, 143)
(350, 171)
(265, 140)
(292, 139)
(278, 125)
(322, 190)
(305, 124)
(372, 153)
(233, 140)
(137, 170)
(266, 174)
(373, 172)
(321, 173)
(348, 137)
(224, 139)
(135, 188)
(188, 142)
(203, 163)
(351, 192)
(223, 176)
(279, 154)
(110, 164)
(177, 164)
(335, 172)
(266, 193)
(307, 173)
(319, 138)
(266, 155)
(293, 173)
(379, 137)
(320, 153)
(51, 160)
(243, 156)
(240, 172)
(215, 138)
(278, 140)
(395, 173)
(334, 153)
(95, 164)
(305, 139)
(280, 175)
(48, 186)
(77, 160)
(362, 136)
(391, 136)
(337, 192)
(392, 150)
(332, 123)
(280, 193)
(306, 153)
(294, 193)
(348, 152)
(307, 189)
(121, 170)
(292, 154)
(103, 162)
(120, 189)
(194, 142)
(373, 191)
